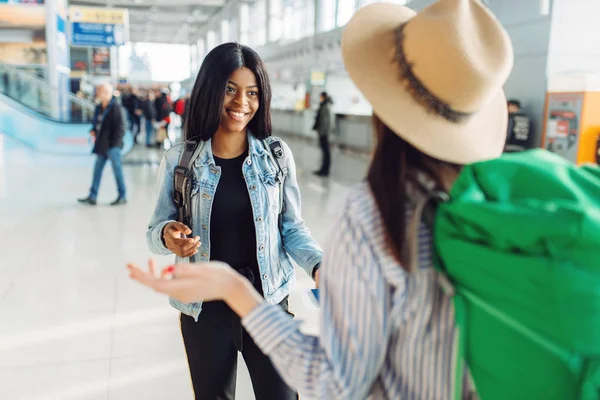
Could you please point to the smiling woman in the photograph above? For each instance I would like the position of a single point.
(239, 72)
(234, 192)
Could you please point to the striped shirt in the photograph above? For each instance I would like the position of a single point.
(385, 334)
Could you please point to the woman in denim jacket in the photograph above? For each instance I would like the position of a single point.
(236, 218)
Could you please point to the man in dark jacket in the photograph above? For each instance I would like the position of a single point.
(519, 130)
(324, 125)
(108, 129)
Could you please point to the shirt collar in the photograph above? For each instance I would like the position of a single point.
(255, 148)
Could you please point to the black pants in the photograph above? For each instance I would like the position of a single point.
(326, 163)
(212, 352)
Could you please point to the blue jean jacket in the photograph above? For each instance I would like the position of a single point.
(274, 245)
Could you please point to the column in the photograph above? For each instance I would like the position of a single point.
(59, 67)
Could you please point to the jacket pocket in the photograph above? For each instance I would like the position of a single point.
(272, 187)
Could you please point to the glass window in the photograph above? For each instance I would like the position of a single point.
(234, 30)
(298, 19)
(225, 31)
(367, 2)
(201, 50)
(211, 40)
(275, 20)
(258, 19)
(346, 8)
(244, 23)
(328, 17)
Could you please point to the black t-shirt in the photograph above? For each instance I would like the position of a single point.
(232, 230)
(519, 131)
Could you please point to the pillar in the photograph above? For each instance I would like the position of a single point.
(57, 48)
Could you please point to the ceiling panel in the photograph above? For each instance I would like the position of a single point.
(162, 21)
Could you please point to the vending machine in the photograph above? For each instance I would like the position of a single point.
(572, 125)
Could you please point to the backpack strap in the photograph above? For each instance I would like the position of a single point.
(182, 182)
(274, 147)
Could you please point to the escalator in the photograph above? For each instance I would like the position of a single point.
(37, 115)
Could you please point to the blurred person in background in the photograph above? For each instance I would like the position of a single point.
(149, 113)
(236, 221)
(163, 112)
(108, 130)
(519, 131)
(136, 113)
(388, 329)
(324, 125)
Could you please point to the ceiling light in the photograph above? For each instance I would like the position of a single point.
(137, 1)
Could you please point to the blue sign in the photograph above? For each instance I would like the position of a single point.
(97, 35)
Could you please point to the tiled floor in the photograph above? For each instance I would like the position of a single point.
(72, 326)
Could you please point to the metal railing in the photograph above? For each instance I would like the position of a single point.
(42, 97)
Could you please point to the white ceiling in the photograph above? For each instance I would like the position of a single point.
(162, 21)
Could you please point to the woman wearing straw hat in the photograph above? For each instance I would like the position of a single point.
(387, 330)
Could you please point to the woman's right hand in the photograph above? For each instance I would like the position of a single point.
(174, 236)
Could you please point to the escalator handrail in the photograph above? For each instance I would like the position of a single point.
(40, 82)
(41, 115)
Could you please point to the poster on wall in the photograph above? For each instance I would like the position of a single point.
(79, 59)
(562, 125)
(101, 61)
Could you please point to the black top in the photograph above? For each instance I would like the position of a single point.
(148, 109)
(232, 234)
(519, 131)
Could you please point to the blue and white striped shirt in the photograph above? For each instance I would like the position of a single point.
(384, 333)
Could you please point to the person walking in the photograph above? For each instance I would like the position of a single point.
(108, 130)
(324, 125)
(244, 212)
(149, 113)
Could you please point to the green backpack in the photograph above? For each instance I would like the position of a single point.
(519, 240)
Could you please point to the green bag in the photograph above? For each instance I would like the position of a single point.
(520, 242)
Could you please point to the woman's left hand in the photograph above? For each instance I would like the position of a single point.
(190, 282)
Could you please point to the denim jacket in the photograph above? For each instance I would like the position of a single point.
(274, 243)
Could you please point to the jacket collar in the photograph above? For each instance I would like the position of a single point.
(205, 157)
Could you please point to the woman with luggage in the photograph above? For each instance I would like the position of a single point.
(387, 327)
(243, 212)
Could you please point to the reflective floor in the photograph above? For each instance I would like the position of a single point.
(72, 324)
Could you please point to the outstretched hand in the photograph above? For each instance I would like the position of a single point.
(200, 282)
(187, 282)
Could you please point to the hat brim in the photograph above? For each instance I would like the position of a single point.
(368, 45)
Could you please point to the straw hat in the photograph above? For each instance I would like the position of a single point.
(435, 78)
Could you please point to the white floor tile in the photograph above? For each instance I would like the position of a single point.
(63, 381)
(73, 325)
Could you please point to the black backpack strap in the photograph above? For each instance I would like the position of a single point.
(275, 148)
(183, 179)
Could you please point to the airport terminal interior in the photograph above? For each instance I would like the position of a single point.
(72, 323)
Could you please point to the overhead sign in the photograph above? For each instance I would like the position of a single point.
(110, 16)
(98, 27)
(97, 35)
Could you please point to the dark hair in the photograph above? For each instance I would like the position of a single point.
(395, 164)
(324, 94)
(206, 101)
(513, 102)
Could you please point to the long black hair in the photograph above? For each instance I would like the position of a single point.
(395, 164)
(206, 101)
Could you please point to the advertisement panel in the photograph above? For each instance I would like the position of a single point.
(563, 124)
(80, 59)
(101, 61)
